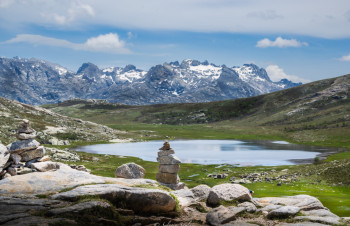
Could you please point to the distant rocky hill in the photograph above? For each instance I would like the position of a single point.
(39, 82)
(55, 128)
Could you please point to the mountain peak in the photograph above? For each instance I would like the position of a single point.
(88, 67)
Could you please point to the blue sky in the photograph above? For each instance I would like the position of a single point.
(303, 40)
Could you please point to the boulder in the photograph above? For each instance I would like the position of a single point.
(25, 136)
(222, 215)
(283, 212)
(33, 154)
(168, 160)
(16, 158)
(137, 199)
(4, 156)
(22, 145)
(45, 166)
(201, 192)
(169, 168)
(185, 197)
(130, 171)
(168, 178)
(250, 207)
(228, 192)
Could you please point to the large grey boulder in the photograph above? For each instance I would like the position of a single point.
(283, 212)
(222, 215)
(4, 156)
(22, 145)
(130, 171)
(320, 213)
(228, 192)
(138, 199)
(33, 154)
(201, 192)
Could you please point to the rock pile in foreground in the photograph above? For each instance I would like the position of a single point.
(18, 157)
(169, 166)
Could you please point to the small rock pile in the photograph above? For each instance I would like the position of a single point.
(169, 166)
(17, 157)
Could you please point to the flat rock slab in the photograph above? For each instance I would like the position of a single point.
(78, 207)
(48, 182)
(304, 202)
(138, 199)
(283, 212)
(325, 220)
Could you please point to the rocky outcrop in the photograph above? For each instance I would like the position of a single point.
(169, 166)
(138, 199)
(130, 171)
(228, 193)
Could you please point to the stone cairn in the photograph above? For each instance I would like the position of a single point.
(17, 157)
(169, 166)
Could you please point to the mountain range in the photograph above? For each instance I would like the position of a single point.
(37, 82)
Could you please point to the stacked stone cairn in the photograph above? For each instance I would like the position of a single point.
(169, 166)
(17, 157)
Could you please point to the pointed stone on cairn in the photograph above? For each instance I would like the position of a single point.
(169, 166)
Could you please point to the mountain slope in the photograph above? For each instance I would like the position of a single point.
(39, 82)
(317, 112)
(49, 124)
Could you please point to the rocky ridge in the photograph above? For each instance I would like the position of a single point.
(39, 82)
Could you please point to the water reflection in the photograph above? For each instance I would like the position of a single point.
(250, 152)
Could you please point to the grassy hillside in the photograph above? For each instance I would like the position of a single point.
(314, 113)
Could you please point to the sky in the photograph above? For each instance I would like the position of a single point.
(302, 40)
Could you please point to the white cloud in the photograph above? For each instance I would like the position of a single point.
(108, 43)
(297, 17)
(345, 58)
(280, 43)
(276, 74)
